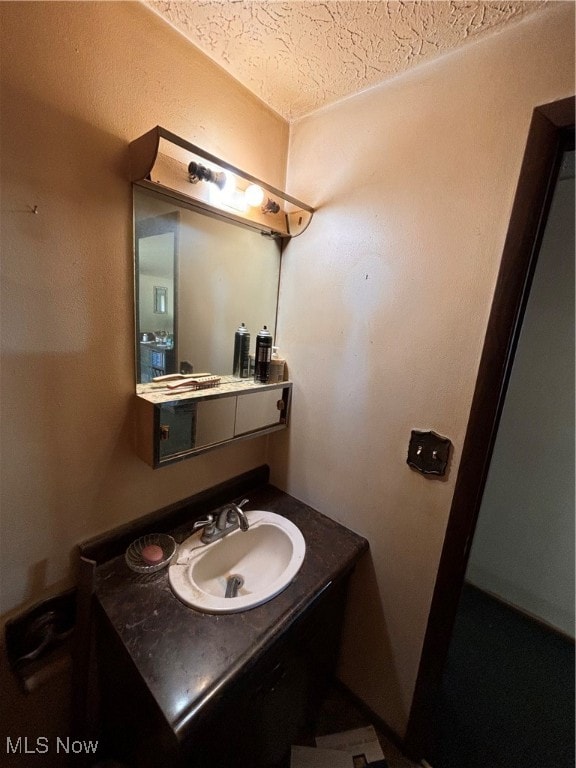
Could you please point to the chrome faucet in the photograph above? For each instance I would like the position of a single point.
(230, 518)
(227, 515)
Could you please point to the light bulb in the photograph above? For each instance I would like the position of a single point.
(229, 185)
(254, 195)
(224, 188)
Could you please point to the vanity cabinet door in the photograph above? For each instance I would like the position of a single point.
(258, 410)
(215, 421)
(177, 428)
(192, 424)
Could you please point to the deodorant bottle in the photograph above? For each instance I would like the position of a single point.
(263, 356)
(241, 362)
(277, 365)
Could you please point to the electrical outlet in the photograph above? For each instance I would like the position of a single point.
(428, 452)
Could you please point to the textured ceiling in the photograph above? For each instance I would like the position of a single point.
(299, 56)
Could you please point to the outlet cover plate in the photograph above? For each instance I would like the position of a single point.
(428, 452)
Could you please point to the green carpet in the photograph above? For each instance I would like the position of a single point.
(507, 698)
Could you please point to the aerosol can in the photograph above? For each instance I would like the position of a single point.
(241, 362)
(263, 356)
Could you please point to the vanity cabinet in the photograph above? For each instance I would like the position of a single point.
(252, 722)
(172, 427)
(177, 687)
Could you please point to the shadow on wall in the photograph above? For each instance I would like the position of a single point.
(366, 661)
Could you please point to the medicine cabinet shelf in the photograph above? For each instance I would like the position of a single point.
(174, 426)
(160, 160)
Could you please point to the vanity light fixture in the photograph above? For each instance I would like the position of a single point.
(163, 162)
(197, 172)
(271, 206)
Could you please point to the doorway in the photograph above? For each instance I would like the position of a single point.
(551, 132)
(507, 694)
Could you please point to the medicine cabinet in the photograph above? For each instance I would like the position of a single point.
(174, 428)
(208, 240)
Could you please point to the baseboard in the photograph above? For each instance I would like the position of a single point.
(522, 612)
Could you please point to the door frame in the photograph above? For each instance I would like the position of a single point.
(551, 132)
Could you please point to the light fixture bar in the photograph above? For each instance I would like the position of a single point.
(157, 159)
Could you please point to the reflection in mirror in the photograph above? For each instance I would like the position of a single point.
(216, 275)
(160, 300)
(156, 248)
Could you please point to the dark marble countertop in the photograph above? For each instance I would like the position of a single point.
(186, 657)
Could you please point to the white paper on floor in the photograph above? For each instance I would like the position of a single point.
(358, 748)
(310, 757)
(358, 742)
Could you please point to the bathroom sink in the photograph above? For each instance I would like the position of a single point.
(250, 566)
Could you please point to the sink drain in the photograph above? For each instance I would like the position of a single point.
(233, 585)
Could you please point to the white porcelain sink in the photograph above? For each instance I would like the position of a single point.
(265, 558)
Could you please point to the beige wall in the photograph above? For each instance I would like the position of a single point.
(384, 305)
(79, 81)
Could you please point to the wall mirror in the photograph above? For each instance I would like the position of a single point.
(197, 278)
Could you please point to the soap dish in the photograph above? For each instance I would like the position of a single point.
(136, 562)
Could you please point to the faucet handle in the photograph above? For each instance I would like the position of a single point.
(241, 503)
(203, 523)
